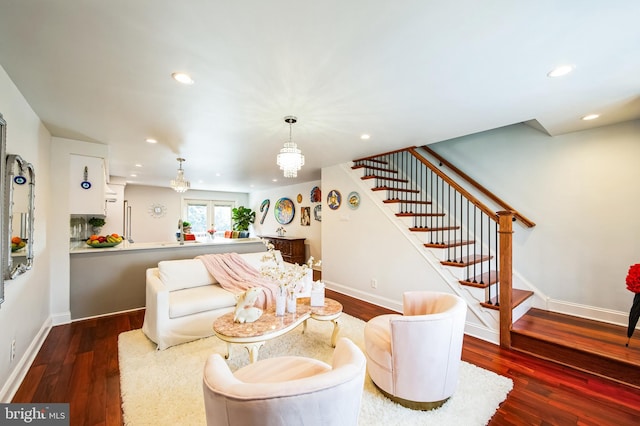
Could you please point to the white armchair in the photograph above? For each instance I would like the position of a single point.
(286, 390)
(414, 358)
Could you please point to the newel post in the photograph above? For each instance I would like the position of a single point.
(505, 231)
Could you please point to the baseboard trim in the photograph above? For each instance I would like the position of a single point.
(589, 312)
(106, 314)
(384, 302)
(22, 367)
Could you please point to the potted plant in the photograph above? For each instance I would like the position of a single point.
(186, 227)
(242, 217)
(96, 224)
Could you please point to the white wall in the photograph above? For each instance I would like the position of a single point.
(363, 244)
(24, 316)
(313, 243)
(147, 229)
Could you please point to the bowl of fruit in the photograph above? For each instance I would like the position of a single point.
(102, 241)
(17, 243)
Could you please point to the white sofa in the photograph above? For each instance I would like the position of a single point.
(183, 300)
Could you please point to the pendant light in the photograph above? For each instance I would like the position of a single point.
(290, 158)
(180, 184)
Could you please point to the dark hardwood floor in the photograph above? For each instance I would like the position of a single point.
(78, 363)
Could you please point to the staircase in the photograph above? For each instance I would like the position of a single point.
(474, 243)
(470, 239)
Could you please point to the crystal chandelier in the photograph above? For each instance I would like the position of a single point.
(180, 184)
(290, 158)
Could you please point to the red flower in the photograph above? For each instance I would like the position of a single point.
(633, 278)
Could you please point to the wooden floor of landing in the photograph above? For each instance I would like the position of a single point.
(586, 345)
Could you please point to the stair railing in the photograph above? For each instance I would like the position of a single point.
(474, 237)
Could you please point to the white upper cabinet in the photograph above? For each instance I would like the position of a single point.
(87, 185)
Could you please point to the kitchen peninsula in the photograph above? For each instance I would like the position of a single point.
(107, 280)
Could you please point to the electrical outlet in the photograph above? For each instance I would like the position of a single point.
(13, 349)
(374, 283)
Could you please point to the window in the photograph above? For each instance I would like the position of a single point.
(208, 214)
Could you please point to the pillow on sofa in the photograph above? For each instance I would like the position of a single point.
(187, 273)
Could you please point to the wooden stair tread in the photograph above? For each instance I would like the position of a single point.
(517, 297)
(380, 169)
(409, 214)
(385, 188)
(449, 244)
(398, 200)
(467, 260)
(425, 229)
(384, 178)
(373, 160)
(483, 280)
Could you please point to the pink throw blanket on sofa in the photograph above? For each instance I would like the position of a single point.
(236, 275)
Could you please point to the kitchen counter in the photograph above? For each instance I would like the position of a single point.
(113, 279)
(82, 247)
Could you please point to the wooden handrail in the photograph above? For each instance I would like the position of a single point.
(453, 184)
(489, 194)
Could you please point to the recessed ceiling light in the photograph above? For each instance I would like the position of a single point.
(151, 140)
(560, 71)
(590, 117)
(274, 180)
(365, 137)
(133, 175)
(218, 174)
(182, 77)
(138, 165)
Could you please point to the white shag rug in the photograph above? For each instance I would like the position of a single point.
(165, 387)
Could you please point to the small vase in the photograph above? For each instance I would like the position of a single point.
(281, 303)
(291, 302)
(96, 230)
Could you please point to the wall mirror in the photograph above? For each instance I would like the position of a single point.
(3, 236)
(19, 183)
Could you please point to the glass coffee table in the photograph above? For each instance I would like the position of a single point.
(269, 326)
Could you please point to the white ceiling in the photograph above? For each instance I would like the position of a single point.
(407, 72)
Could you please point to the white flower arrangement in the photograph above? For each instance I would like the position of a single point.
(290, 278)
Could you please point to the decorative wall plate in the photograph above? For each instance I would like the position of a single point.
(334, 199)
(353, 200)
(157, 210)
(316, 195)
(299, 198)
(284, 211)
(264, 207)
(317, 212)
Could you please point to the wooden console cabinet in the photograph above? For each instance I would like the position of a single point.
(292, 248)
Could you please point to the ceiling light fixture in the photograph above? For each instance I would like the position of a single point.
(180, 184)
(560, 71)
(182, 77)
(151, 140)
(290, 158)
(365, 137)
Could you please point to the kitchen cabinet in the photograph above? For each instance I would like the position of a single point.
(292, 248)
(87, 183)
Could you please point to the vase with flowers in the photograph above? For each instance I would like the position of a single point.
(633, 285)
(211, 232)
(291, 279)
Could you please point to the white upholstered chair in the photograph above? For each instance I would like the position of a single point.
(287, 390)
(414, 358)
